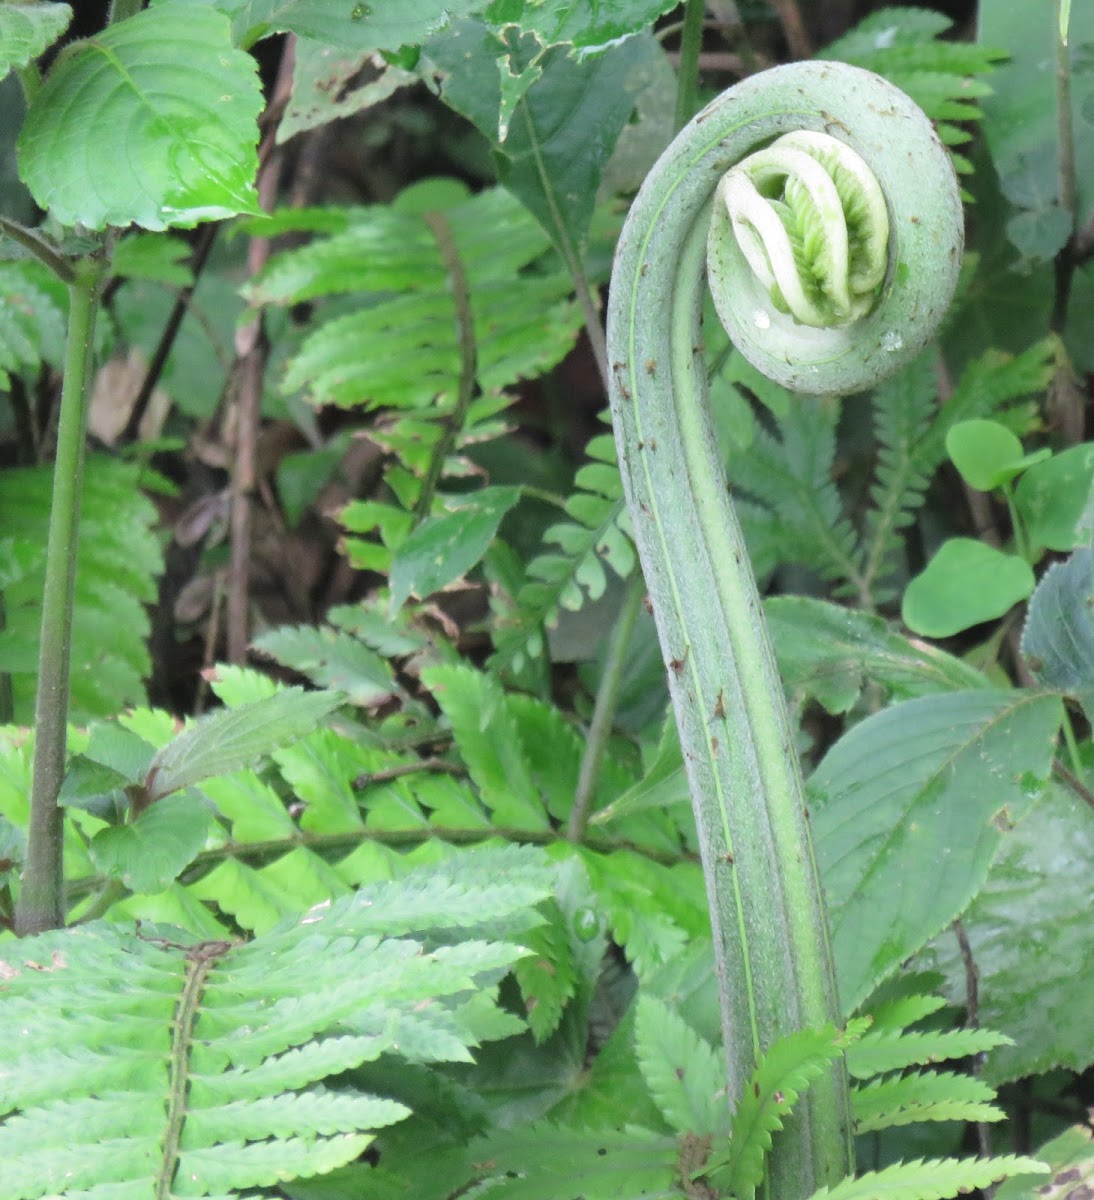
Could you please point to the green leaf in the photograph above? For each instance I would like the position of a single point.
(791, 1064)
(1058, 638)
(924, 1096)
(966, 582)
(685, 1076)
(444, 548)
(150, 256)
(884, 1050)
(828, 652)
(1051, 497)
(915, 802)
(486, 736)
(26, 30)
(233, 738)
(163, 133)
(987, 454)
(331, 658)
(547, 977)
(149, 854)
(563, 128)
(1070, 1157)
(584, 24)
(32, 318)
(375, 25)
(547, 1162)
(929, 1179)
(1033, 943)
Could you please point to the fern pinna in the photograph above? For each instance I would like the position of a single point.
(139, 1065)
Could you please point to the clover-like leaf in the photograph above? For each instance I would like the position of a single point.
(152, 122)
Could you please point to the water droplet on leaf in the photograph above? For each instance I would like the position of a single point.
(892, 341)
(761, 319)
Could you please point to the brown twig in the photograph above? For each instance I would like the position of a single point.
(790, 18)
(252, 355)
(972, 1021)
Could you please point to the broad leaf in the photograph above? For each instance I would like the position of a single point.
(909, 810)
(26, 30)
(1058, 639)
(965, 583)
(149, 854)
(829, 652)
(1033, 942)
(375, 25)
(233, 738)
(987, 454)
(562, 131)
(581, 23)
(164, 131)
(1051, 497)
(445, 547)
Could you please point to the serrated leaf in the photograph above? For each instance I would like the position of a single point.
(1058, 638)
(929, 1179)
(26, 30)
(486, 736)
(233, 738)
(966, 582)
(331, 659)
(1033, 943)
(685, 1076)
(444, 548)
(547, 977)
(790, 1065)
(892, 1050)
(376, 25)
(149, 854)
(923, 1096)
(909, 810)
(180, 139)
(828, 652)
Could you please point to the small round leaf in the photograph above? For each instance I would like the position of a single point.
(965, 583)
(987, 454)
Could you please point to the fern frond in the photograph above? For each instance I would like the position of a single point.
(785, 1071)
(206, 1063)
(597, 533)
(32, 318)
(923, 1096)
(791, 476)
(117, 563)
(930, 1179)
(893, 1050)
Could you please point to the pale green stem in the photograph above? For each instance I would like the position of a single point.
(772, 951)
(31, 240)
(607, 698)
(41, 896)
(687, 78)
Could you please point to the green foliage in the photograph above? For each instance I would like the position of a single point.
(26, 31)
(119, 559)
(178, 155)
(965, 583)
(572, 570)
(929, 1179)
(210, 1075)
(1058, 639)
(32, 319)
(895, 796)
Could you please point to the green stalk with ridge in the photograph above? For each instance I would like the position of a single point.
(821, 209)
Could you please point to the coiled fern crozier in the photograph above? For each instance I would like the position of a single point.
(826, 216)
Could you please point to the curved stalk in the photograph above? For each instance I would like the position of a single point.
(770, 934)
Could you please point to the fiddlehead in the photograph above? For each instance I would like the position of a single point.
(831, 260)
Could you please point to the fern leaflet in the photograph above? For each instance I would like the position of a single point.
(930, 1179)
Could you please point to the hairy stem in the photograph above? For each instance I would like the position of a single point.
(41, 898)
(772, 951)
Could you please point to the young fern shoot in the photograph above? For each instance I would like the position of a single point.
(827, 218)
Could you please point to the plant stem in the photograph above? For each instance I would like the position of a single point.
(687, 79)
(39, 247)
(1068, 186)
(607, 698)
(41, 898)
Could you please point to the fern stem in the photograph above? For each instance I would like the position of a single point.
(465, 323)
(687, 79)
(767, 909)
(604, 708)
(41, 898)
